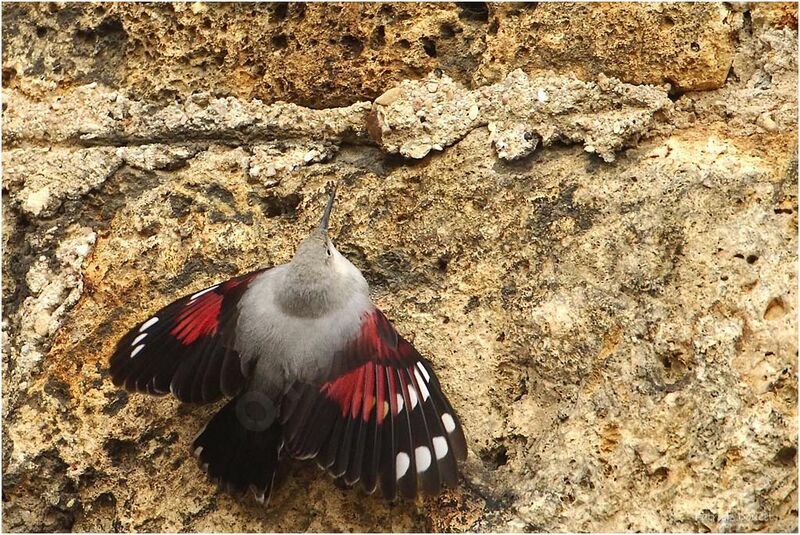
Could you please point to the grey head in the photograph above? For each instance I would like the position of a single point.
(315, 251)
(319, 279)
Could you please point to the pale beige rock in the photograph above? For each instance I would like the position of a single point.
(54, 286)
(157, 156)
(40, 179)
(270, 162)
(112, 118)
(604, 116)
(389, 96)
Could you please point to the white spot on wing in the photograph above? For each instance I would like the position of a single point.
(149, 323)
(440, 447)
(399, 402)
(198, 450)
(424, 372)
(422, 455)
(412, 396)
(449, 423)
(198, 294)
(402, 462)
(422, 387)
(136, 350)
(138, 339)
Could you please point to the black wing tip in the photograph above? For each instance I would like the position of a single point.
(149, 356)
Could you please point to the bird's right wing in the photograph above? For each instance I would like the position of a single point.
(379, 414)
(185, 348)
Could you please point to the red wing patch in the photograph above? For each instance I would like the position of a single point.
(198, 319)
(183, 348)
(380, 417)
(377, 341)
(201, 315)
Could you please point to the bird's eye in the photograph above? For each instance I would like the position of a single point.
(328, 251)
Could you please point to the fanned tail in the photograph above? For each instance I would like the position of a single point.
(239, 447)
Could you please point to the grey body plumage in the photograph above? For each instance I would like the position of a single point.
(291, 318)
(294, 314)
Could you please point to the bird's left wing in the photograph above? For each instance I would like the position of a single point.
(378, 414)
(185, 348)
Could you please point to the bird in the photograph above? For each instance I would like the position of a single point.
(311, 368)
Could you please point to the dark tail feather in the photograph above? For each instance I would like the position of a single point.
(239, 447)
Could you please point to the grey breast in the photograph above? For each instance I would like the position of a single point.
(285, 347)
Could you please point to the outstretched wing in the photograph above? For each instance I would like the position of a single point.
(379, 415)
(185, 348)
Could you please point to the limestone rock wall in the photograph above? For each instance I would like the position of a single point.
(585, 215)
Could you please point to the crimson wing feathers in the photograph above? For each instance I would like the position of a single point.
(185, 348)
(379, 417)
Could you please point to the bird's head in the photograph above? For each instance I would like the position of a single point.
(319, 278)
(317, 249)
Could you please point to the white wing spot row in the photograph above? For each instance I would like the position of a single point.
(422, 455)
(449, 423)
(422, 387)
(138, 339)
(402, 462)
(440, 447)
(202, 292)
(424, 372)
(136, 350)
(412, 396)
(149, 323)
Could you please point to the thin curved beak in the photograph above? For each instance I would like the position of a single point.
(327, 215)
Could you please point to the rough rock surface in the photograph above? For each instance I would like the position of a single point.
(416, 117)
(322, 56)
(610, 301)
(689, 48)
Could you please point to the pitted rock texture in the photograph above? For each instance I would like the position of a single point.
(29, 173)
(617, 327)
(416, 117)
(110, 118)
(324, 56)
(691, 49)
(314, 55)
